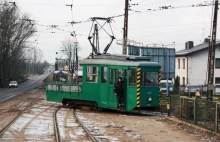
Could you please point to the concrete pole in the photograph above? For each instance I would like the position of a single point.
(167, 74)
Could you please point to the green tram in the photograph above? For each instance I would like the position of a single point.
(100, 73)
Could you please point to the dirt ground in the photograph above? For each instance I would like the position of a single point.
(120, 127)
(147, 128)
(10, 109)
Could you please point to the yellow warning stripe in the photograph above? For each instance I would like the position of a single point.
(159, 80)
(138, 86)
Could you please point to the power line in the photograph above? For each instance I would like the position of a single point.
(168, 7)
(61, 4)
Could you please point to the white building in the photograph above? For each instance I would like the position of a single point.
(191, 64)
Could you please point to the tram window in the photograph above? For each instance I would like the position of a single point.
(92, 74)
(104, 75)
(115, 74)
(120, 73)
(112, 76)
(149, 79)
(132, 77)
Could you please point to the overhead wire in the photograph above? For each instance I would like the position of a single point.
(168, 7)
(121, 15)
(116, 16)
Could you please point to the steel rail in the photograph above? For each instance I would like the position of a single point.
(56, 128)
(21, 112)
(83, 126)
(20, 102)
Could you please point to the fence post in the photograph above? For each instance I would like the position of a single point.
(216, 117)
(170, 105)
(202, 91)
(195, 111)
(168, 109)
(180, 108)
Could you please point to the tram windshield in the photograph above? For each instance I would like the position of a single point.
(149, 79)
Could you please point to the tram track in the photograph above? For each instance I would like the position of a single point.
(84, 127)
(20, 112)
(20, 103)
(57, 130)
(34, 118)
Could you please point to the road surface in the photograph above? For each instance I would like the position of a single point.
(33, 82)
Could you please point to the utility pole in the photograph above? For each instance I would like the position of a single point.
(75, 65)
(211, 55)
(125, 29)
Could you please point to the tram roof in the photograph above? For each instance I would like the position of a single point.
(119, 63)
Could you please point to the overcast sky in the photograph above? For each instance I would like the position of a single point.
(162, 27)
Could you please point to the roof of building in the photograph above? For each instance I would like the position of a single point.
(196, 48)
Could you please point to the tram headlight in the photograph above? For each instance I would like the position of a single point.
(149, 99)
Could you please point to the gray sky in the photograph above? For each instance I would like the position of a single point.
(162, 27)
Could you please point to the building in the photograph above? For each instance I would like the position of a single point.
(163, 55)
(191, 64)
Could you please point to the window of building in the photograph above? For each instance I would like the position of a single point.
(92, 74)
(149, 79)
(104, 75)
(132, 73)
(183, 63)
(217, 63)
(183, 81)
(217, 80)
(178, 63)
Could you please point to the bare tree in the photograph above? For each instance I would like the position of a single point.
(68, 48)
(15, 31)
(34, 59)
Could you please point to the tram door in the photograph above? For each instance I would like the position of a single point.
(114, 74)
(104, 87)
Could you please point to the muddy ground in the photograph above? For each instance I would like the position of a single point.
(130, 128)
(122, 127)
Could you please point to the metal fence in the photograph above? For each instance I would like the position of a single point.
(201, 89)
(218, 118)
(174, 105)
(172, 101)
(205, 114)
(187, 109)
(200, 112)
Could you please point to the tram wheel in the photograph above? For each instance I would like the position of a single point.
(64, 102)
(94, 107)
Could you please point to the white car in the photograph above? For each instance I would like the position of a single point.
(13, 84)
(163, 85)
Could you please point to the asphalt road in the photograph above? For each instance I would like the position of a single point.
(33, 82)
